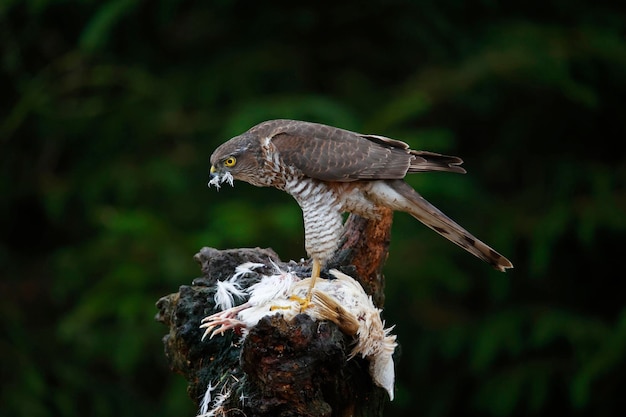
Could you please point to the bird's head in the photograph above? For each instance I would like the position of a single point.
(236, 159)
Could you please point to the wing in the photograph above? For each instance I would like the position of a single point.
(332, 154)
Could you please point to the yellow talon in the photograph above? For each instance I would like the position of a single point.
(304, 302)
(299, 299)
(274, 308)
(315, 273)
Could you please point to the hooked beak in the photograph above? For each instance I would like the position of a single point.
(217, 177)
(213, 172)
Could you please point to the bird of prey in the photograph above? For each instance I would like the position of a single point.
(330, 171)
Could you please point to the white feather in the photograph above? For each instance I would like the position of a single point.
(244, 269)
(225, 294)
(218, 180)
(271, 288)
(226, 291)
(272, 294)
(206, 400)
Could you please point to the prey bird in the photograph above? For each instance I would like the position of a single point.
(330, 171)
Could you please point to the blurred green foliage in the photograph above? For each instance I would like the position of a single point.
(111, 109)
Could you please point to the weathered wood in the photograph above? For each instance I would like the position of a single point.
(363, 251)
(297, 368)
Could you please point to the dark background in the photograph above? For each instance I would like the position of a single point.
(110, 110)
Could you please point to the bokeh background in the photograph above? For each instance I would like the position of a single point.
(110, 110)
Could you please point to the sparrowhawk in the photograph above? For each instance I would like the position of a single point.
(330, 171)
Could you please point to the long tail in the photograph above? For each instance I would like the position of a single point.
(432, 217)
(424, 161)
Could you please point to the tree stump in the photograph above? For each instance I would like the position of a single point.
(296, 368)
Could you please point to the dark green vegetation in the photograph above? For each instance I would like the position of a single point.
(111, 109)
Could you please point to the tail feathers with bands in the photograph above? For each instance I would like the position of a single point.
(424, 161)
(432, 217)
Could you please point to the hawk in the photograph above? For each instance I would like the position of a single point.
(330, 171)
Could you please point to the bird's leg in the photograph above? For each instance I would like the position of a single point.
(315, 273)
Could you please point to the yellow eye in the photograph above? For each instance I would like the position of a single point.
(229, 162)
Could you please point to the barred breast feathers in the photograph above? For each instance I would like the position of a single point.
(321, 211)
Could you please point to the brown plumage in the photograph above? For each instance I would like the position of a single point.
(330, 171)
